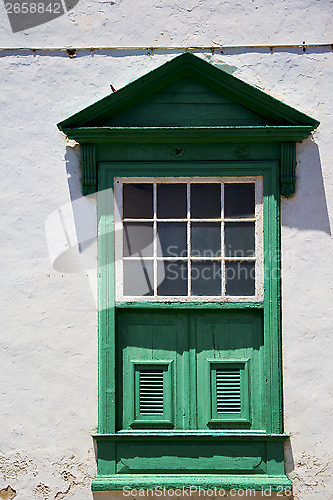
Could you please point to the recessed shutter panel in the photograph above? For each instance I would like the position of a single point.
(151, 391)
(228, 390)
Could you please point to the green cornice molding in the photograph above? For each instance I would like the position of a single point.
(290, 125)
(205, 135)
(188, 65)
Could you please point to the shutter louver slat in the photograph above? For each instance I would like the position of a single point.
(151, 392)
(228, 390)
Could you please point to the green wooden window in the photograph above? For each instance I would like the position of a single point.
(180, 238)
(190, 377)
(201, 347)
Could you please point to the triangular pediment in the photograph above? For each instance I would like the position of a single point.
(187, 103)
(187, 92)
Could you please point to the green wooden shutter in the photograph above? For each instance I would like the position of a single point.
(228, 390)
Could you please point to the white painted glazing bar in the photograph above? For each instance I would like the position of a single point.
(155, 236)
(222, 242)
(188, 239)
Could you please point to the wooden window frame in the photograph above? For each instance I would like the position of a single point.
(257, 259)
(273, 436)
(266, 149)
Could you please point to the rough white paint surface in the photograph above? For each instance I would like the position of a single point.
(190, 22)
(48, 342)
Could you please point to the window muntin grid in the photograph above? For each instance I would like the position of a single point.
(149, 260)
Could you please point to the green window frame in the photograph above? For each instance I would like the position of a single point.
(250, 134)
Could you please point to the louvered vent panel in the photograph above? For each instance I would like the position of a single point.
(151, 392)
(228, 390)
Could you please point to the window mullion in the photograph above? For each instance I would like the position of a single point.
(188, 239)
(155, 237)
(223, 290)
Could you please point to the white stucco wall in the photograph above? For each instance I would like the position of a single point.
(48, 342)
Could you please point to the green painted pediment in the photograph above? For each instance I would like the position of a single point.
(188, 92)
(187, 103)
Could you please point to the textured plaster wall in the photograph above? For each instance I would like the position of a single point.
(48, 341)
(189, 22)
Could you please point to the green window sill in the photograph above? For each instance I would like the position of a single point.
(179, 481)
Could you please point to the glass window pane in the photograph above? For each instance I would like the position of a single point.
(239, 200)
(240, 278)
(239, 239)
(138, 239)
(138, 277)
(171, 201)
(205, 239)
(205, 278)
(171, 239)
(172, 278)
(205, 201)
(138, 201)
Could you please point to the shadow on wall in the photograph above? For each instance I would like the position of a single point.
(73, 168)
(71, 230)
(82, 255)
(307, 209)
(289, 457)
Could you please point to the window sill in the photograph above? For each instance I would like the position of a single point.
(207, 481)
(191, 434)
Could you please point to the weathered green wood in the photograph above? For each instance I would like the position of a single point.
(274, 458)
(179, 152)
(209, 457)
(225, 337)
(255, 482)
(191, 340)
(89, 169)
(107, 457)
(188, 435)
(272, 303)
(156, 338)
(190, 305)
(187, 408)
(190, 91)
(186, 103)
(106, 305)
(288, 168)
(162, 453)
(203, 135)
(216, 168)
(186, 115)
